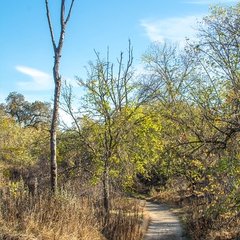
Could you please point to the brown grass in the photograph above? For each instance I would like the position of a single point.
(46, 217)
(65, 216)
(202, 216)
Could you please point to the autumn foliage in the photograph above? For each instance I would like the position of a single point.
(172, 131)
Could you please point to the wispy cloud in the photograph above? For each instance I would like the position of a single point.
(40, 80)
(210, 1)
(174, 29)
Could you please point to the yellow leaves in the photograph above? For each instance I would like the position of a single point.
(16, 187)
(228, 215)
(237, 171)
(115, 159)
(211, 155)
(101, 75)
(214, 202)
(197, 163)
(114, 172)
(16, 143)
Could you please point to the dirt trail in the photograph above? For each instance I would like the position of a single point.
(164, 224)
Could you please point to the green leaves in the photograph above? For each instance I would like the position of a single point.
(16, 144)
(36, 114)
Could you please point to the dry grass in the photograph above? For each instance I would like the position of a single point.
(202, 225)
(202, 219)
(46, 217)
(65, 216)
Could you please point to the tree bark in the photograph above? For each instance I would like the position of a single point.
(57, 91)
(53, 136)
(106, 203)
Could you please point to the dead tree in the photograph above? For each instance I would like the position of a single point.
(57, 81)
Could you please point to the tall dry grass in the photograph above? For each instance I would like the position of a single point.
(65, 216)
(46, 217)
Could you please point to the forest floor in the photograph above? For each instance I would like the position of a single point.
(164, 224)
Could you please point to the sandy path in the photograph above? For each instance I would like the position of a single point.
(164, 224)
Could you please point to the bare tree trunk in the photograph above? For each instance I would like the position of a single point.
(106, 189)
(53, 136)
(57, 81)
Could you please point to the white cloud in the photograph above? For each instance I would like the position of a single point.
(40, 80)
(174, 29)
(210, 1)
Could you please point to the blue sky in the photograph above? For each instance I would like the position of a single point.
(26, 55)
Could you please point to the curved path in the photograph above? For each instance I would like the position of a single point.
(164, 224)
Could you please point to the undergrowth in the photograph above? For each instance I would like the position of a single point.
(202, 215)
(65, 216)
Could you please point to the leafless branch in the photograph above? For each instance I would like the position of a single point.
(69, 12)
(50, 26)
(62, 13)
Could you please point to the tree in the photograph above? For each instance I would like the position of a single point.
(169, 73)
(36, 114)
(217, 57)
(110, 103)
(16, 106)
(199, 89)
(218, 54)
(57, 48)
(203, 120)
(168, 70)
(21, 148)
